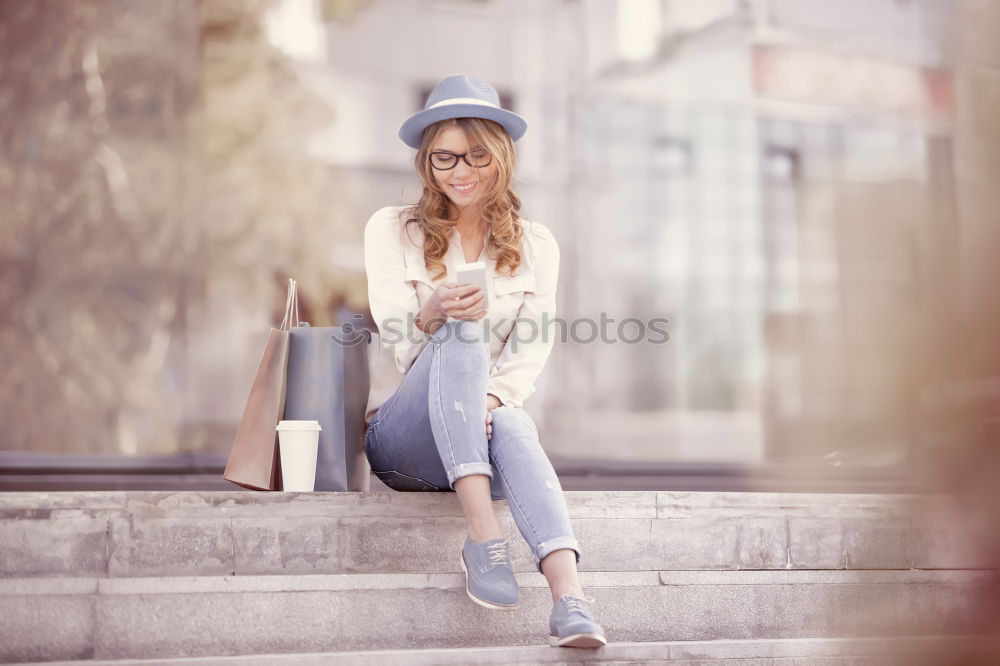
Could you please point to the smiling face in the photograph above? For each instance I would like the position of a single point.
(463, 184)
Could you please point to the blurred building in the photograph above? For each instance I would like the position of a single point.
(804, 191)
(773, 177)
(779, 179)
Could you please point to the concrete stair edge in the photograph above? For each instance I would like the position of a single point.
(57, 586)
(629, 502)
(135, 534)
(146, 618)
(701, 652)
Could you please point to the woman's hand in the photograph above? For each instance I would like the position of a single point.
(451, 300)
(492, 402)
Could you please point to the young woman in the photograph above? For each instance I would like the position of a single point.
(445, 409)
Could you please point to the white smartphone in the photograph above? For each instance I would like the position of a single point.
(474, 273)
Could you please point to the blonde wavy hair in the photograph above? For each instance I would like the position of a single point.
(500, 204)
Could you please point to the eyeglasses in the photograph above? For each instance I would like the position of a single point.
(474, 158)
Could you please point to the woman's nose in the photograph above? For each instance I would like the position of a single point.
(463, 170)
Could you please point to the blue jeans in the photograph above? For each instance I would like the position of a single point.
(432, 431)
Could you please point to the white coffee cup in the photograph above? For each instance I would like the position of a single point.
(298, 444)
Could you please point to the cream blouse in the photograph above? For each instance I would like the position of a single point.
(399, 285)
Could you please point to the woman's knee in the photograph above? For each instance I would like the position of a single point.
(513, 447)
(459, 330)
(514, 427)
(462, 336)
(514, 420)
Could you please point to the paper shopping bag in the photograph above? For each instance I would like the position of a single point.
(254, 461)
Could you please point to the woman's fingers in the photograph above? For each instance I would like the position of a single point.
(469, 313)
(467, 305)
(476, 312)
(474, 308)
(489, 424)
(464, 291)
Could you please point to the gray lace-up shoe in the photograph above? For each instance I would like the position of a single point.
(489, 576)
(571, 624)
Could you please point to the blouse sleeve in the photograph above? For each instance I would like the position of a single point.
(528, 346)
(391, 297)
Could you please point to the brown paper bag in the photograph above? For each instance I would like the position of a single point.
(254, 461)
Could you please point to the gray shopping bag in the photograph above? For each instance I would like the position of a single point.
(328, 381)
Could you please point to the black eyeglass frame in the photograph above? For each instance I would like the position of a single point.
(464, 156)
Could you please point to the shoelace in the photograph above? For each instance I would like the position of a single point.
(498, 553)
(577, 604)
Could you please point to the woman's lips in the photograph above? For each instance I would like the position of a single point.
(468, 187)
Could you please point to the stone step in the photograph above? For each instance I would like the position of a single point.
(137, 618)
(150, 533)
(786, 652)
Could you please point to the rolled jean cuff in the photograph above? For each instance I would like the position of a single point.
(466, 469)
(552, 545)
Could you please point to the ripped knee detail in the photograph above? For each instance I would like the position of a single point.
(461, 410)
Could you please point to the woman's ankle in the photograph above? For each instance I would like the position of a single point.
(483, 535)
(575, 592)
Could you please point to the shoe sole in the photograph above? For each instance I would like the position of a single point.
(584, 640)
(483, 602)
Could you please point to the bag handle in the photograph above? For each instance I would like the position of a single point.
(291, 307)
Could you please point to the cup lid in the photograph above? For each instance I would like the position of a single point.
(298, 425)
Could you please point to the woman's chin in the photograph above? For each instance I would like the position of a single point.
(461, 204)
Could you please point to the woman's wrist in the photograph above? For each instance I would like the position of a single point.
(429, 323)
